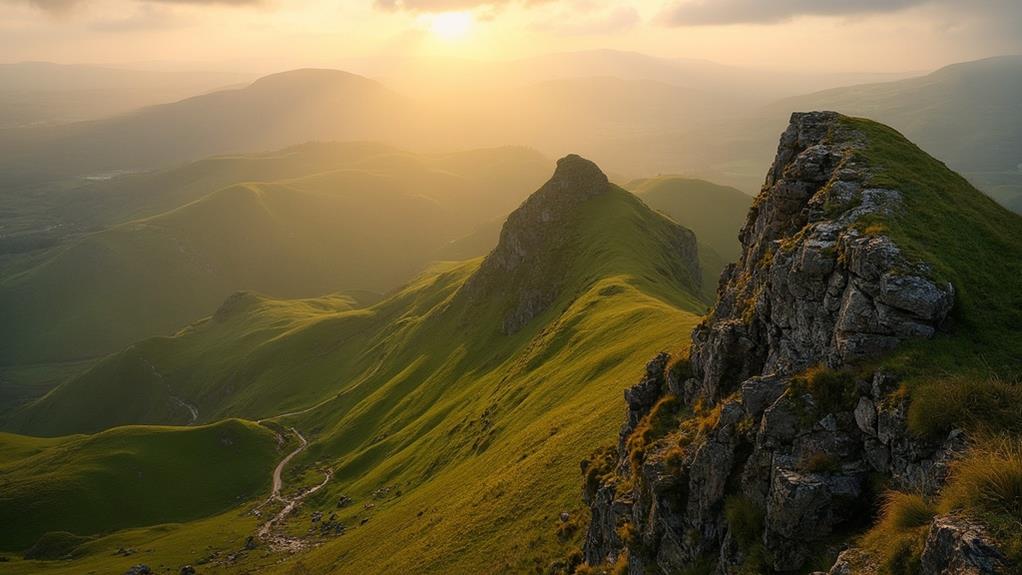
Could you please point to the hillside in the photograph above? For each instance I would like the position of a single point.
(715, 213)
(854, 389)
(965, 114)
(434, 389)
(128, 477)
(300, 222)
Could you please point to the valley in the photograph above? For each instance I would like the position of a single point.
(454, 403)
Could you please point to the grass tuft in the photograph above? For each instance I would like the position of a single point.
(898, 538)
(984, 405)
(987, 483)
(744, 519)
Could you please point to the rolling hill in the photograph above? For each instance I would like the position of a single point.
(493, 373)
(172, 245)
(90, 485)
(715, 213)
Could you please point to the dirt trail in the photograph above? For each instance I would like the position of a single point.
(281, 541)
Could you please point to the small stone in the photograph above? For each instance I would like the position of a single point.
(759, 393)
(866, 416)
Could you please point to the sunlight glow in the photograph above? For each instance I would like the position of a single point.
(451, 25)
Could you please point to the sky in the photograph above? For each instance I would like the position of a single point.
(269, 35)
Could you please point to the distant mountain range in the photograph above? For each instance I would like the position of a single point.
(272, 112)
(43, 93)
(635, 114)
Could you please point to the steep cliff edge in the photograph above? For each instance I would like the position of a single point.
(773, 444)
(818, 279)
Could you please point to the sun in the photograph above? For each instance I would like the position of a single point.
(451, 25)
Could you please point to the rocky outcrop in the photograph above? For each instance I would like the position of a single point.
(957, 545)
(769, 457)
(815, 283)
(541, 225)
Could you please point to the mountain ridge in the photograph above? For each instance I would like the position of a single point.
(838, 351)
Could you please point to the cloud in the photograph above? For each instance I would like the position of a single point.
(447, 5)
(207, 2)
(719, 12)
(588, 17)
(55, 6)
(65, 6)
(146, 18)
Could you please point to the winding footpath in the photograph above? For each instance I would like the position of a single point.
(279, 541)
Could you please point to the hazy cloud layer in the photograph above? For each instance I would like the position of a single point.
(711, 12)
(59, 6)
(448, 5)
(586, 17)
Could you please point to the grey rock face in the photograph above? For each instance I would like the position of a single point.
(642, 396)
(813, 286)
(538, 227)
(957, 545)
(854, 562)
(804, 507)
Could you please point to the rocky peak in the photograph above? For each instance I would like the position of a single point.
(815, 283)
(527, 267)
(789, 450)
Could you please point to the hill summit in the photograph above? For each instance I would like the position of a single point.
(532, 261)
(820, 278)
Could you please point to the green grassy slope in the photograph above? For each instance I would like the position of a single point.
(370, 221)
(715, 213)
(257, 357)
(969, 376)
(127, 477)
(969, 240)
(153, 380)
(424, 393)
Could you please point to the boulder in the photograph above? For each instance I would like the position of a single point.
(957, 545)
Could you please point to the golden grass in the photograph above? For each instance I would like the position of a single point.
(898, 538)
(979, 404)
